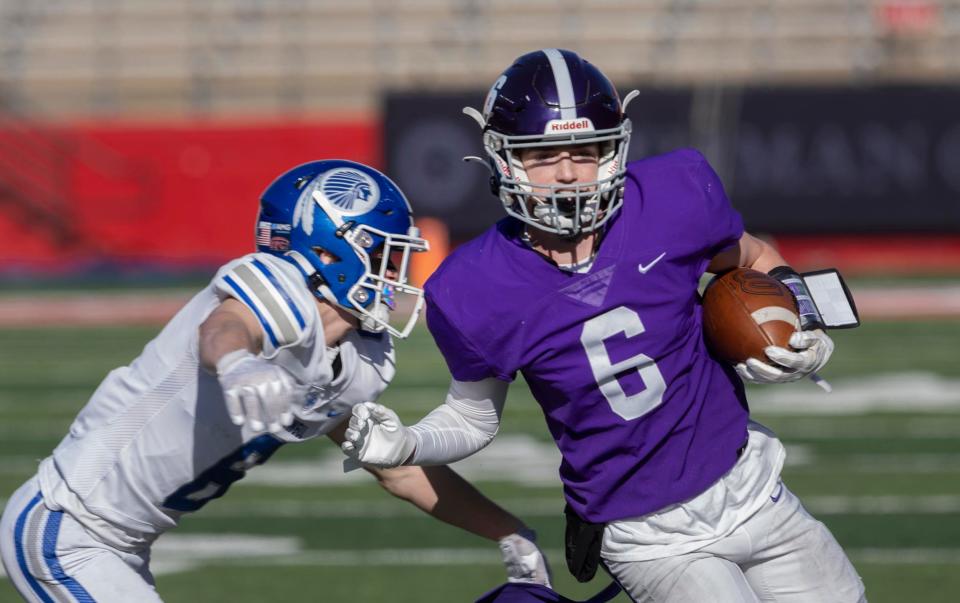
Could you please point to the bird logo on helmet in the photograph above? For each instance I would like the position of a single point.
(546, 98)
(350, 232)
(355, 193)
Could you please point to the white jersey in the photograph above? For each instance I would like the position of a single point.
(155, 440)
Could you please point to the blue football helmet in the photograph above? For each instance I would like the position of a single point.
(548, 98)
(349, 230)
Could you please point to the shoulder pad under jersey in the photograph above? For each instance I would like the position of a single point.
(275, 292)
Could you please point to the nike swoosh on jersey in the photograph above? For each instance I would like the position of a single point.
(644, 269)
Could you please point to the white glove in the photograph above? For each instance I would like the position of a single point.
(813, 350)
(376, 436)
(524, 559)
(258, 391)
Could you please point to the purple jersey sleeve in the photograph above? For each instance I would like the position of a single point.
(465, 361)
(722, 225)
(466, 314)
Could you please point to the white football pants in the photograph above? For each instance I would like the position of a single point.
(781, 554)
(49, 557)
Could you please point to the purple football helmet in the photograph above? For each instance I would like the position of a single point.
(548, 98)
(519, 592)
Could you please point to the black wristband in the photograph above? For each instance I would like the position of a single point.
(809, 314)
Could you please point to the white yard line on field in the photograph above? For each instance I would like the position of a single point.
(553, 507)
(174, 553)
(894, 392)
(448, 557)
(883, 505)
(525, 461)
(911, 463)
(519, 459)
(182, 552)
(906, 556)
(885, 427)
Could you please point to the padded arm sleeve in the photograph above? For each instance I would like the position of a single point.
(466, 422)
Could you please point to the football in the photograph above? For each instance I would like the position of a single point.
(744, 311)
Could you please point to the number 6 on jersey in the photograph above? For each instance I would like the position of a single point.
(621, 320)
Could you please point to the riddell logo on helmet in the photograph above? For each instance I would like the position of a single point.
(568, 125)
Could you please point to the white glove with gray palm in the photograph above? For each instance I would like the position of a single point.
(375, 436)
(524, 560)
(811, 351)
(258, 392)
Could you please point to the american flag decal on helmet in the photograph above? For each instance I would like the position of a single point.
(263, 234)
(274, 236)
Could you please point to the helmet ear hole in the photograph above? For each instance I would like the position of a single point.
(495, 186)
(325, 256)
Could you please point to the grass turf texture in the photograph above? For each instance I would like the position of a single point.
(48, 374)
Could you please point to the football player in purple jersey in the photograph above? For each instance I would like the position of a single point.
(589, 290)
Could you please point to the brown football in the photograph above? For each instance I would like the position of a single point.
(744, 311)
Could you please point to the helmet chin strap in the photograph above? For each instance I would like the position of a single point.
(375, 323)
(316, 283)
(374, 320)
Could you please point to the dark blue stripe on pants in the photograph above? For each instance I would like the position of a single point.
(21, 558)
(50, 533)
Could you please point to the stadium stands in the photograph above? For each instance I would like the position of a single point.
(177, 57)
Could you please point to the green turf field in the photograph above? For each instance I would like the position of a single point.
(885, 481)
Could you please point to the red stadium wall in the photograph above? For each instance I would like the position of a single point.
(142, 197)
(163, 195)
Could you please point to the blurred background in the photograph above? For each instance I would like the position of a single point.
(136, 136)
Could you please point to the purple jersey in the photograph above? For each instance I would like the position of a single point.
(643, 415)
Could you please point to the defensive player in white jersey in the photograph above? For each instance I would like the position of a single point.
(277, 349)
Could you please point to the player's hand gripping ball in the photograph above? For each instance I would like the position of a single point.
(745, 312)
(750, 319)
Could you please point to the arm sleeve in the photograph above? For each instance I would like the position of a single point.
(465, 423)
(722, 225)
(280, 304)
